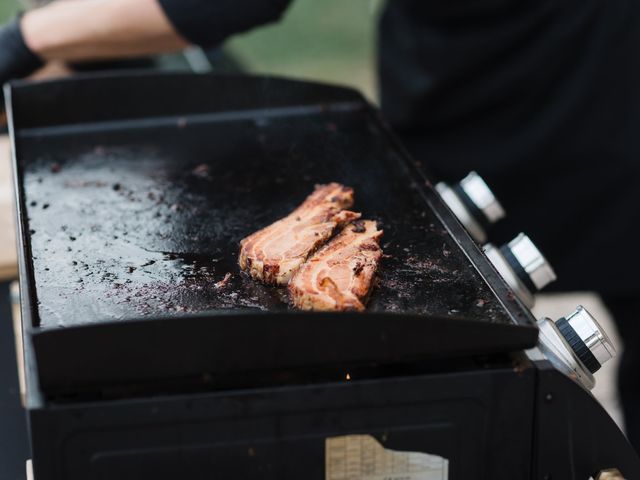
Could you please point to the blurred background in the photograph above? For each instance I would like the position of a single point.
(7, 8)
(332, 41)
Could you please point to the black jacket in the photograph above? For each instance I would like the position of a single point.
(541, 97)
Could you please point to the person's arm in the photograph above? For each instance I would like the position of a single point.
(77, 30)
(68, 31)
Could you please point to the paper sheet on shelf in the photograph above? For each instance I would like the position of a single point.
(362, 457)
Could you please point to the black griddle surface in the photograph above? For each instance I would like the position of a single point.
(144, 221)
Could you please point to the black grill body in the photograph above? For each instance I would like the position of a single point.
(131, 202)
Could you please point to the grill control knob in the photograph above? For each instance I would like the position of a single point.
(473, 202)
(529, 262)
(482, 197)
(523, 267)
(587, 339)
(610, 474)
(576, 345)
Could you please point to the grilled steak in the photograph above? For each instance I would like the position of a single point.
(274, 253)
(339, 276)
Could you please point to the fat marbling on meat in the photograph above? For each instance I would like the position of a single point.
(274, 253)
(339, 276)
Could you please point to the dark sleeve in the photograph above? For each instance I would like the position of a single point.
(209, 22)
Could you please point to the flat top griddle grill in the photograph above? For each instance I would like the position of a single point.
(146, 221)
(132, 201)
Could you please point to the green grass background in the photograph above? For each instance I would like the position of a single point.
(7, 8)
(327, 40)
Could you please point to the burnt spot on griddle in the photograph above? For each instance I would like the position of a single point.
(357, 269)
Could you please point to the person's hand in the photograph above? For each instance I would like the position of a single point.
(16, 58)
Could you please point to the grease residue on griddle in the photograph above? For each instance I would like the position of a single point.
(148, 223)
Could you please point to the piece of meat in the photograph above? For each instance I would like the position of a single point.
(274, 253)
(225, 281)
(339, 276)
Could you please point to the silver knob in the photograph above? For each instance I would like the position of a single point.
(592, 335)
(522, 266)
(473, 203)
(532, 261)
(576, 345)
(482, 196)
(609, 474)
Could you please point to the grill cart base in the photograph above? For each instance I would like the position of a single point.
(497, 421)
